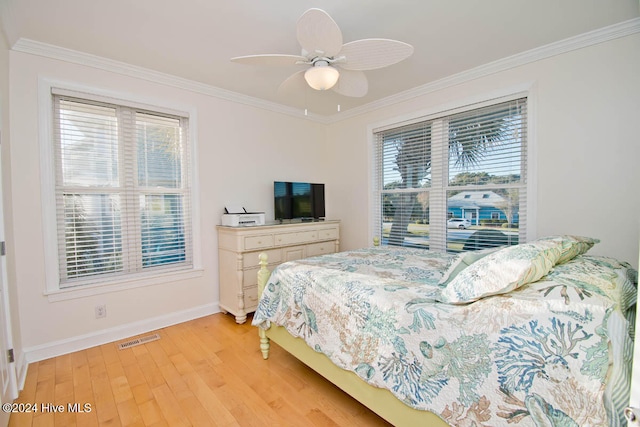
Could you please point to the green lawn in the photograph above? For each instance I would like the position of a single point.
(422, 230)
(416, 229)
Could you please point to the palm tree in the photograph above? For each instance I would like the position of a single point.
(469, 140)
(413, 162)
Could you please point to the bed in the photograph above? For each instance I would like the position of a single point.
(537, 334)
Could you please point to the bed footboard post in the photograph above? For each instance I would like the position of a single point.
(263, 277)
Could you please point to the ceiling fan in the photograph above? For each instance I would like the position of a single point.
(331, 64)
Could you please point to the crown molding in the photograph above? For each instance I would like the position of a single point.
(622, 29)
(591, 38)
(75, 57)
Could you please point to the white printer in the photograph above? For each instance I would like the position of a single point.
(239, 217)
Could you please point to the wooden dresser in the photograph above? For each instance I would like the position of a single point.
(239, 247)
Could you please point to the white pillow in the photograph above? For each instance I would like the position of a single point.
(462, 261)
(502, 271)
(572, 246)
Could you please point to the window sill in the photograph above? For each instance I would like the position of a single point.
(121, 285)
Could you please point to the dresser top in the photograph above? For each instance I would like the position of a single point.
(273, 224)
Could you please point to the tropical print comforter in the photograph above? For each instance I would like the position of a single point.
(556, 352)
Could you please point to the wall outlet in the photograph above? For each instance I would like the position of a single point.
(101, 311)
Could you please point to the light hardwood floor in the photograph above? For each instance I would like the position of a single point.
(206, 372)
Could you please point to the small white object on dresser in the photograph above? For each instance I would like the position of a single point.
(239, 247)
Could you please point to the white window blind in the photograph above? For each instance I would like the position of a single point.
(122, 191)
(453, 182)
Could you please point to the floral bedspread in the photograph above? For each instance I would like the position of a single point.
(554, 352)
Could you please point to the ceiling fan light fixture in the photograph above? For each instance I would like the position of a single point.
(321, 76)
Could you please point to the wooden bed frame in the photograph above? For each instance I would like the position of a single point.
(379, 400)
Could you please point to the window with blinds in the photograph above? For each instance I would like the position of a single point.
(122, 191)
(453, 182)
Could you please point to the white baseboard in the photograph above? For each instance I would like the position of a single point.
(69, 345)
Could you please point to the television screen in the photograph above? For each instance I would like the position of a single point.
(298, 200)
(317, 193)
(282, 202)
(301, 201)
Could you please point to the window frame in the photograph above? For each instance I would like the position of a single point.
(46, 118)
(525, 90)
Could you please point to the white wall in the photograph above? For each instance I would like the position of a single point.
(585, 122)
(241, 151)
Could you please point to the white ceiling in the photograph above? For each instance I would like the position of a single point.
(195, 39)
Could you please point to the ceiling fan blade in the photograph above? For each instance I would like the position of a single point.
(270, 59)
(370, 54)
(352, 83)
(294, 84)
(318, 33)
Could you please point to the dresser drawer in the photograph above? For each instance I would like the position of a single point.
(250, 299)
(328, 234)
(296, 238)
(258, 242)
(321, 248)
(250, 278)
(293, 253)
(252, 259)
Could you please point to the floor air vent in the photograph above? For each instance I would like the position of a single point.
(137, 341)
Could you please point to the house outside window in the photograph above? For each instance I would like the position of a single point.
(471, 164)
(122, 191)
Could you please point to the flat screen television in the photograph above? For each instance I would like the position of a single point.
(298, 200)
